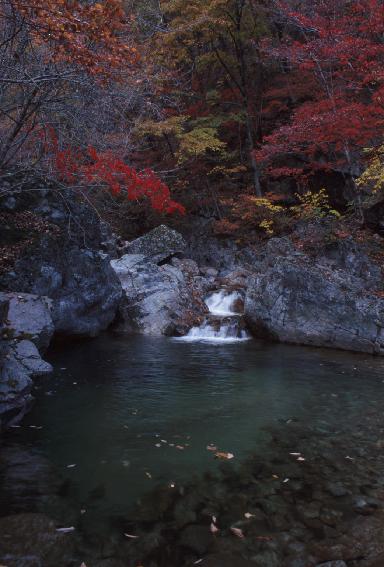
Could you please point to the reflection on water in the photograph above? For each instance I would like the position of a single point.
(121, 414)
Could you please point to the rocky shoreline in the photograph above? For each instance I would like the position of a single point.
(75, 278)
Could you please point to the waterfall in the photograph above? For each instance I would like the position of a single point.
(224, 324)
(222, 303)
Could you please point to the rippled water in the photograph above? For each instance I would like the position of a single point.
(111, 401)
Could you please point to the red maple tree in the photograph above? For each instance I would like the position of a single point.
(337, 48)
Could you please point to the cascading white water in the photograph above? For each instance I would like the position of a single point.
(222, 303)
(224, 324)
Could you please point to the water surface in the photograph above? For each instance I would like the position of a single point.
(122, 414)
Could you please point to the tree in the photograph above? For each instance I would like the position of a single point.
(211, 84)
(69, 78)
(338, 48)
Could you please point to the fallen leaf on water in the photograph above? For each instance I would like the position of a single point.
(224, 456)
(214, 529)
(131, 536)
(237, 532)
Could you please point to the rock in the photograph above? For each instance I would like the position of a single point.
(87, 303)
(187, 266)
(226, 560)
(20, 361)
(209, 272)
(197, 538)
(336, 489)
(158, 244)
(28, 355)
(295, 299)
(157, 300)
(64, 259)
(15, 386)
(332, 564)
(28, 316)
(32, 540)
(28, 480)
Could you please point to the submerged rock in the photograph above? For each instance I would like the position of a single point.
(32, 540)
(329, 301)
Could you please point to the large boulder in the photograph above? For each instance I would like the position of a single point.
(84, 290)
(29, 317)
(333, 300)
(157, 300)
(159, 244)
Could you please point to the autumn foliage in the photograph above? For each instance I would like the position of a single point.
(337, 49)
(94, 36)
(90, 168)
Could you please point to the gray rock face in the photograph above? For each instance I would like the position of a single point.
(28, 316)
(20, 361)
(157, 300)
(26, 325)
(158, 244)
(85, 293)
(68, 264)
(328, 301)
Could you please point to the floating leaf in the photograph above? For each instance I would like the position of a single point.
(214, 529)
(237, 532)
(224, 456)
